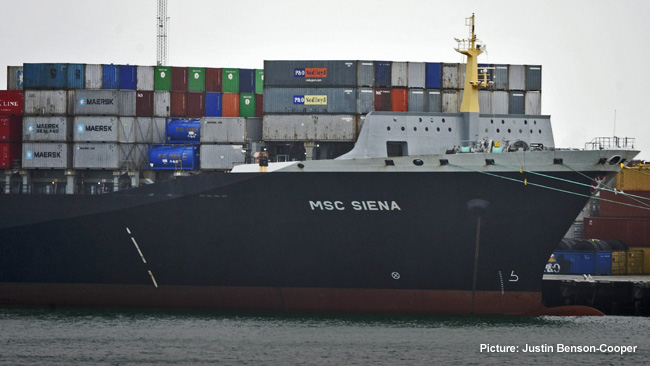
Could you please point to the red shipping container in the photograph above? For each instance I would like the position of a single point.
(259, 105)
(11, 129)
(634, 232)
(144, 103)
(10, 155)
(230, 102)
(195, 105)
(178, 103)
(614, 209)
(179, 79)
(382, 100)
(213, 79)
(399, 100)
(11, 102)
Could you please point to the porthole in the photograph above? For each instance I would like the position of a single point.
(509, 131)
(498, 130)
(486, 130)
(418, 162)
(449, 129)
(443, 120)
(540, 131)
(420, 119)
(531, 131)
(492, 121)
(403, 129)
(438, 129)
(520, 131)
(388, 128)
(534, 122)
(525, 122)
(503, 122)
(415, 128)
(426, 129)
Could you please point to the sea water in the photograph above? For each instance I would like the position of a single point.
(44, 336)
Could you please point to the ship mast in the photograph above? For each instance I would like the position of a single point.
(471, 48)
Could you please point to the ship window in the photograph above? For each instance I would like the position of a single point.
(492, 121)
(531, 131)
(503, 122)
(535, 122)
(403, 128)
(520, 130)
(540, 131)
(415, 128)
(396, 148)
(420, 119)
(426, 129)
(498, 130)
(486, 130)
(388, 128)
(449, 129)
(443, 120)
(525, 122)
(438, 129)
(508, 130)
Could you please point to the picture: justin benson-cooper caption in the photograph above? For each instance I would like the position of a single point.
(557, 348)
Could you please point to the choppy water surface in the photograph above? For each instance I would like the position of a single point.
(151, 337)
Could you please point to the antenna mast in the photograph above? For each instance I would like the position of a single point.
(162, 33)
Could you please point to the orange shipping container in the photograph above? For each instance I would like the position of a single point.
(632, 231)
(616, 209)
(399, 99)
(230, 105)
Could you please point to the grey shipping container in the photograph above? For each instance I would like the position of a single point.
(399, 74)
(221, 157)
(14, 77)
(230, 130)
(87, 102)
(365, 100)
(416, 100)
(293, 127)
(366, 73)
(126, 103)
(45, 102)
(485, 101)
(500, 77)
(500, 102)
(450, 76)
(94, 76)
(161, 103)
(533, 103)
(450, 101)
(310, 100)
(417, 75)
(93, 155)
(46, 155)
(310, 73)
(534, 77)
(516, 77)
(144, 78)
(517, 103)
(433, 101)
(462, 68)
(144, 130)
(104, 129)
(158, 130)
(44, 129)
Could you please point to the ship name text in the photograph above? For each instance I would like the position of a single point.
(354, 205)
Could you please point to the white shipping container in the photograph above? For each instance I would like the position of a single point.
(46, 155)
(93, 155)
(517, 77)
(485, 101)
(94, 75)
(290, 127)
(450, 101)
(104, 129)
(161, 103)
(500, 102)
(221, 157)
(44, 129)
(158, 130)
(417, 75)
(126, 102)
(399, 74)
(144, 130)
(366, 73)
(45, 102)
(145, 78)
(231, 130)
(450, 76)
(533, 103)
(87, 102)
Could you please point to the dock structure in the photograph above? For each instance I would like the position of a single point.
(613, 295)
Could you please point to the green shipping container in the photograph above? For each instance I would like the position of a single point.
(162, 79)
(230, 80)
(196, 79)
(259, 81)
(246, 105)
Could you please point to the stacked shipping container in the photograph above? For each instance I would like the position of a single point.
(11, 120)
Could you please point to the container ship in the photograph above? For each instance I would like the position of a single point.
(429, 212)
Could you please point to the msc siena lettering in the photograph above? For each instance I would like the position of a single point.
(356, 205)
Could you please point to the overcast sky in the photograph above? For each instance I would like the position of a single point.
(594, 54)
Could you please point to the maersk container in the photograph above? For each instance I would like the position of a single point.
(416, 75)
(534, 77)
(162, 78)
(110, 76)
(433, 75)
(158, 130)
(500, 78)
(259, 81)
(179, 79)
(230, 80)
(450, 101)
(500, 102)
(433, 101)
(399, 98)
(11, 129)
(127, 102)
(144, 130)
(382, 74)
(221, 157)
(399, 74)
(161, 103)
(183, 131)
(450, 78)
(47, 129)
(174, 158)
(365, 100)
(97, 129)
(45, 102)
(213, 105)
(366, 73)
(517, 102)
(10, 154)
(516, 77)
(485, 101)
(310, 100)
(195, 105)
(128, 77)
(230, 130)
(93, 102)
(144, 103)
(416, 100)
(11, 102)
(76, 76)
(315, 74)
(46, 155)
(94, 75)
(15, 77)
(178, 104)
(533, 103)
(145, 78)
(316, 127)
(246, 81)
(247, 105)
(382, 99)
(196, 79)
(213, 81)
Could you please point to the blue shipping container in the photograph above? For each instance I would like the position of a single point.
(576, 262)
(76, 76)
(213, 105)
(33, 75)
(433, 75)
(383, 74)
(111, 77)
(246, 80)
(56, 76)
(174, 157)
(128, 77)
(603, 263)
(183, 131)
